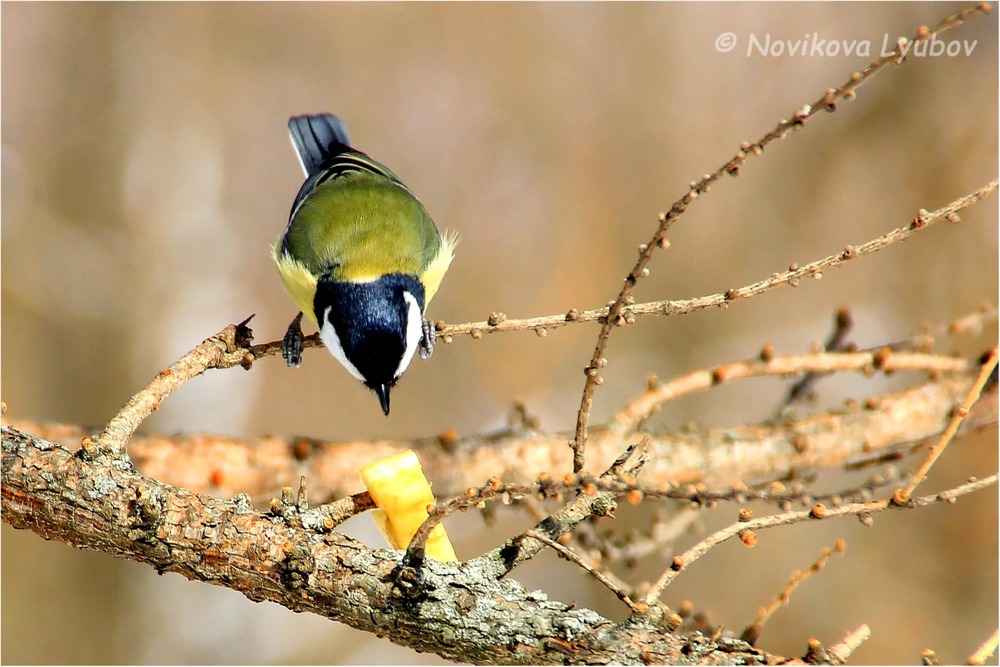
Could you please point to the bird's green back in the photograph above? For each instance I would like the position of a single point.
(362, 225)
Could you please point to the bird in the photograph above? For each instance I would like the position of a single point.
(360, 257)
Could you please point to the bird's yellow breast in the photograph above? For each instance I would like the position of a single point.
(297, 280)
(434, 273)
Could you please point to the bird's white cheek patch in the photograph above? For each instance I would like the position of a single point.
(332, 341)
(414, 330)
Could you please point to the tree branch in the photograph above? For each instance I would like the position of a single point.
(986, 370)
(885, 426)
(459, 611)
(817, 513)
(985, 650)
(752, 632)
(798, 119)
(94, 498)
(791, 277)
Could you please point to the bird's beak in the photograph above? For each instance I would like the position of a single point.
(383, 397)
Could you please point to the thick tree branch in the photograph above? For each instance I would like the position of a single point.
(459, 611)
(94, 498)
(883, 427)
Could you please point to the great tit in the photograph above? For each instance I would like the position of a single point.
(360, 256)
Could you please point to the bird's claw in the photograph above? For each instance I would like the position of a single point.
(291, 344)
(426, 340)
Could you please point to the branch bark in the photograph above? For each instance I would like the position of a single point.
(717, 457)
(459, 611)
(465, 611)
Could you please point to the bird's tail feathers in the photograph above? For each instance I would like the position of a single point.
(317, 138)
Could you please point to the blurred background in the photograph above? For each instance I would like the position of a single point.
(147, 170)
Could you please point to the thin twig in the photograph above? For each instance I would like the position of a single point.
(572, 556)
(798, 119)
(932, 456)
(661, 535)
(985, 650)
(642, 408)
(752, 631)
(206, 355)
(447, 332)
(973, 322)
(846, 647)
(970, 323)
(595, 554)
(928, 658)
(329, 516)
(842, 325)
(621, 474)
(590, 503)
(819, 511)
(600, 503)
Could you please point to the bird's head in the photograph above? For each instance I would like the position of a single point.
(373, 328)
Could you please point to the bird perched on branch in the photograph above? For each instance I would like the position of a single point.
(360, 257)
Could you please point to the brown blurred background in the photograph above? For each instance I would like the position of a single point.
(146, 170)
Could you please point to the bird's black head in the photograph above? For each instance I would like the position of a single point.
(373, 328)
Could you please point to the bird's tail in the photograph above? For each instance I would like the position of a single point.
(317, 138)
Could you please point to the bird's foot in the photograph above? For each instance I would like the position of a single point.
(291, 345)
(426, 340)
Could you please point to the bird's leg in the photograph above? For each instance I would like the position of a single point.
(426, 339)
(291, 345)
